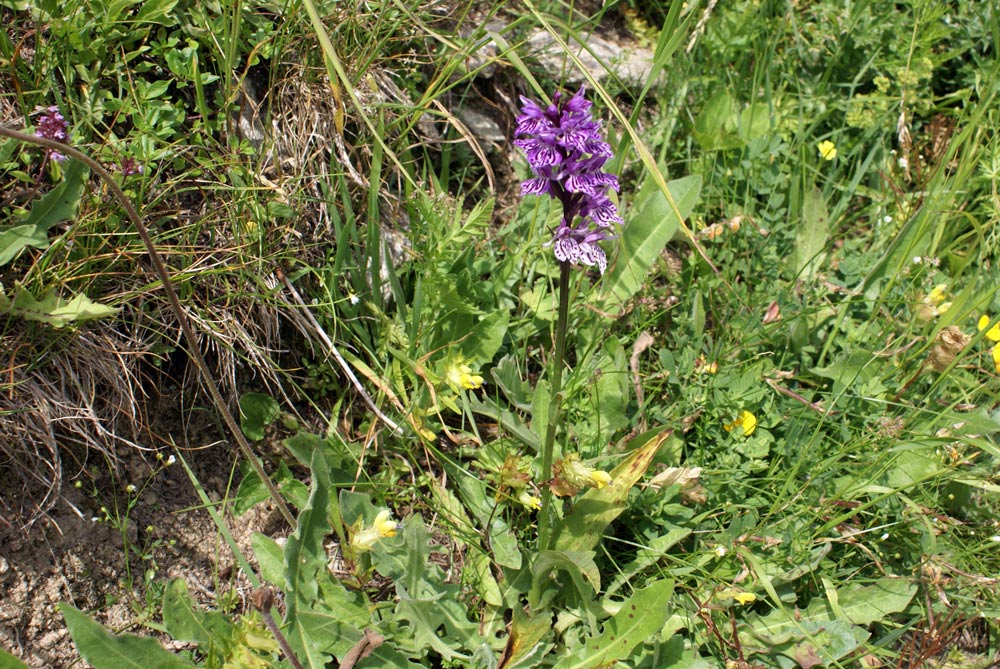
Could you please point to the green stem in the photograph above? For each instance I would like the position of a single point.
(547, 515)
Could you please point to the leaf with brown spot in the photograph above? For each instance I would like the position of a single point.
(594, 510)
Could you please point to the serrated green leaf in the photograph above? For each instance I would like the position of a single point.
(58, 205)
(54, 310)
(126, 651)
(638, 620)
(595, 509)
(644, 237)
(184, 622)
(305, 560)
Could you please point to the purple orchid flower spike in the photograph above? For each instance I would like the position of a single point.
(563, 145)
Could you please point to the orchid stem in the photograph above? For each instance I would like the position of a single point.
(547, 515)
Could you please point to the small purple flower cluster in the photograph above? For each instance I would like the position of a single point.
(52, 125)
(565, 151)
(129, 167)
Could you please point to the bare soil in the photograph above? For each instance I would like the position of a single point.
(94, 553)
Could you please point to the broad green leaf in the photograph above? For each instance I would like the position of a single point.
(155, 11)
(486, 337)
(507, 376)
(305, 560)
(8, 661)
(337, 622)
(510, 422)
(252, 490)
(184, 622)
(58, 205)
(478, 570)
(257, 411)
(638, 620)
(503, 541)
(644, 237)
(715, 126)
(595, 509)
(527, 642)
(857, 367)
(812, 235)
(755, 122)
(270, 558)
(915, 463)
(860, 605)
(53, 309)
(126, 651)
(579, 565)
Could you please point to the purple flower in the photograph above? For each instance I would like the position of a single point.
(52, 125)
(129, 167)
(563, 145)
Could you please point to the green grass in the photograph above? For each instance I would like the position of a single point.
(855, 520)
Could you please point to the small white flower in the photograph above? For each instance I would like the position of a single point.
(130, 488)
(903, 162)
(352, 298)
(995, 538)
(885, 535)
(887, 219)
(917, 260)
(171, 460)
(721, 551)
(94, 519)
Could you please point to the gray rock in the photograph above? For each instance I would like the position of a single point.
(484, 128)
(633, 64)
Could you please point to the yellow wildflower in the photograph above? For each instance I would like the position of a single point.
(528, 500)
(827, 149)
(936, 296)
(600, 478)
(745, 420)
(383, 527)
(571, 475)
(996, 357)
(384, 524)
(460, 376)
(745, 597)
(933, 305)
(993, 334)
